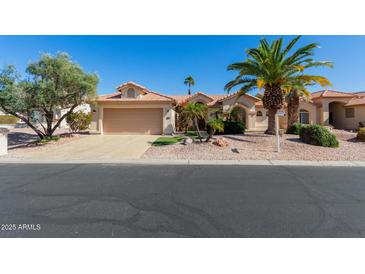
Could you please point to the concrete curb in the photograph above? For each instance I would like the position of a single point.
(191, 162)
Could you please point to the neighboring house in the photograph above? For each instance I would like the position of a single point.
(343, 110)
(58, 113)
(134, 109)
(247, 107)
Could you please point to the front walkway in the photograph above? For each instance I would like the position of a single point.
(94, 148)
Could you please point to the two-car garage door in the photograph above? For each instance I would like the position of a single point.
(132, 121)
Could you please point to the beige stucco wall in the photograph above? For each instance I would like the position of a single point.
(168, 125)
(336, 106)
(246, 103)
(261, 121)
(323, 103)
(359, 117)
(339, 116)
(85, 108)
(312, 110)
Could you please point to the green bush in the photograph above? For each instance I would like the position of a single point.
(295, 128)
(361, 134)
(8, 119)
(318, 135)
(79, 121)
(231, 127)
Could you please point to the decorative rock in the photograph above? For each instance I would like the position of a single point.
(221, 142)
(188, 141)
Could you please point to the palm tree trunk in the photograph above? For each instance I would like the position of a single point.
(211, 133)
(189, 90)
(197, 129)
(272, 101)
(293, 107)
(271, 121)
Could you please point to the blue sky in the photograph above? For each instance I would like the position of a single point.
(162, 62)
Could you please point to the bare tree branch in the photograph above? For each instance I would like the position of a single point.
(25, 120)
(63, 117)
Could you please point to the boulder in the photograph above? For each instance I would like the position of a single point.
(221, 142)
(188, 141)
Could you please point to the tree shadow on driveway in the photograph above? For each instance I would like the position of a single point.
(20, 139)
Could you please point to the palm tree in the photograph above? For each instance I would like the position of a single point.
(270, 66)
(196, 111)
(214, 125)
(293, 91)
(189, 81)
(293, 98)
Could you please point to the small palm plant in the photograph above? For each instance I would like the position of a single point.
(189, 81)
(195, 112)
(214, 125)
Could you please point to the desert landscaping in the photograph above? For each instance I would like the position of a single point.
(259, 146)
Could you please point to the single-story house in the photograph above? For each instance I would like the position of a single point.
(134, 109)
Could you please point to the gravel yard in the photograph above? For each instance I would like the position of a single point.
(258, 146)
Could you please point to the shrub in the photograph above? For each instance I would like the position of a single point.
(318, 135)
(79, 121)
(213, 126)
(361, 134)
(295, 128)
(8, 119)
(231, 127)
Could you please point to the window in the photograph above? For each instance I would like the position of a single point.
(130, 93)
(349, 112)
(259, 113)
(303, 116)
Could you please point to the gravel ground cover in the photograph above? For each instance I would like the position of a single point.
(258, 146)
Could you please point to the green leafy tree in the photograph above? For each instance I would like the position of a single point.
(53, 82)
(214, 125)
(189, 81)
(270, 66)
(195, 112)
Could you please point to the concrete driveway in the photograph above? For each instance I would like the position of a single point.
(97, 147)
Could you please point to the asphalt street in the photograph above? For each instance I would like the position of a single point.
(120, 200)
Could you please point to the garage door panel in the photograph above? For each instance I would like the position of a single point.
(133, 121)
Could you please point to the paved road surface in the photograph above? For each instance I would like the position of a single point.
(96, 200)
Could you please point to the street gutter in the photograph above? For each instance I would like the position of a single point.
(191, 162)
